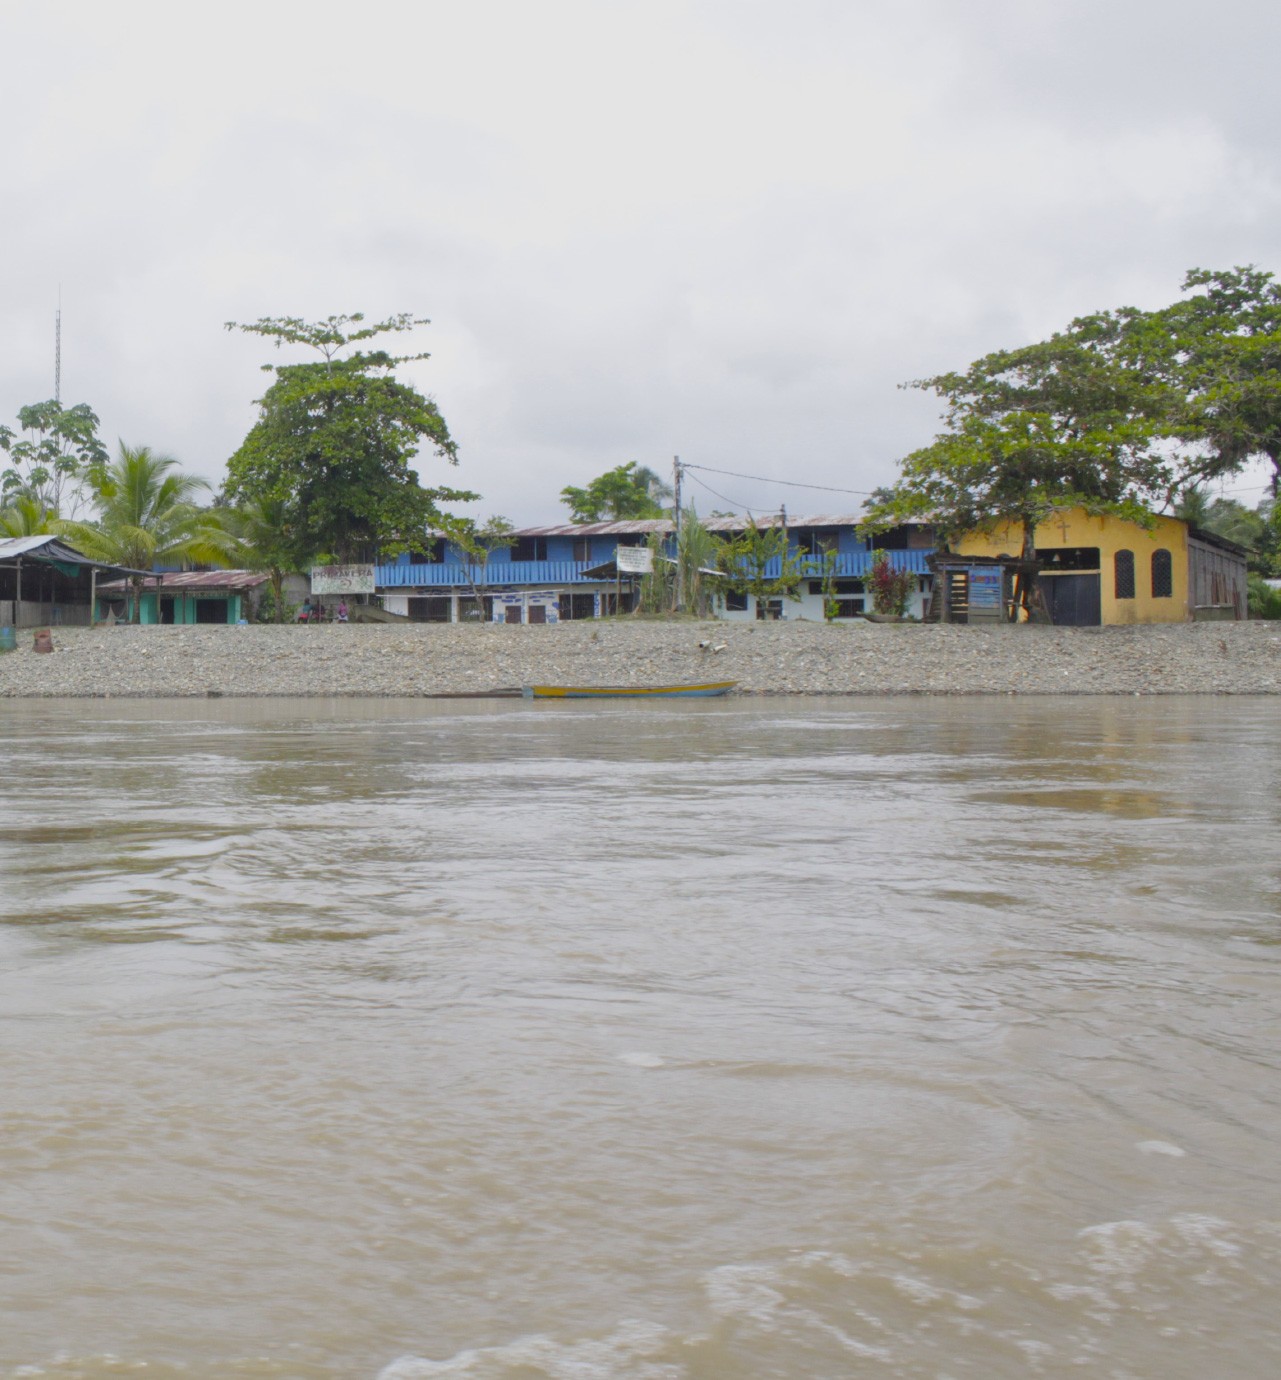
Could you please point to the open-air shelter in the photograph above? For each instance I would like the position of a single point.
(45, 582)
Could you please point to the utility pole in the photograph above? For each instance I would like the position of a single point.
(677, 470)
(57, 350)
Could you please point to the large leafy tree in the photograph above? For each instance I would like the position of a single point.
(148, 513)
(1030, 432)
(54, 459)
(1219, 349)
(626, 491)
(336, 439)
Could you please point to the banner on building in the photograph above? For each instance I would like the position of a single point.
(342, 579)
(634, 560)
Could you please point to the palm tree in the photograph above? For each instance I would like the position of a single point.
(263, 539)
(23, 515)
(147, 513)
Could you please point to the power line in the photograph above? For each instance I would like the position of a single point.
(715, 494)
(787, 483)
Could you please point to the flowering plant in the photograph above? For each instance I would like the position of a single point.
(891, 588)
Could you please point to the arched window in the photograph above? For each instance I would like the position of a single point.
(1123, 567)
(1162, 574)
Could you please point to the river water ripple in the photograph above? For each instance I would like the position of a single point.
(914, 1038)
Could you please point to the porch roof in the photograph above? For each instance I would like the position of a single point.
(234, 580)
(51, 548)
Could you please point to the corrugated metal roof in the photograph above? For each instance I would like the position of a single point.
(19, 546)
(51, 548)
(644, 526)
(639, 526)
(198, 579)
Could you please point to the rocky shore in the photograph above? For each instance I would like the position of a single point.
(791, 658)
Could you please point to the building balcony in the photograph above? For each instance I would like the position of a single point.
(553, 574)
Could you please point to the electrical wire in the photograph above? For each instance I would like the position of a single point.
(787, 483)
(741, 507)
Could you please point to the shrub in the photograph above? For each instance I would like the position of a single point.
(891, 589)
(1265, 600)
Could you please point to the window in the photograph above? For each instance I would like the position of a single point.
(1162, 574)
(529, 549)
(433, 554)
(1123, 572)
(735, 602)
(816, 540)
(582, 548)
(849, 608)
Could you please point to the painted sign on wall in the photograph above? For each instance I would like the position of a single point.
(342, 579)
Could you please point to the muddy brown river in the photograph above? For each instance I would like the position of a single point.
(504, 1041)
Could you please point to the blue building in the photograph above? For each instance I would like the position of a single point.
(568, 571)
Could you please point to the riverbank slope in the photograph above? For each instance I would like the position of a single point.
(764, 658)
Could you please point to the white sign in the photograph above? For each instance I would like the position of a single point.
(342, 579)
(634, 560)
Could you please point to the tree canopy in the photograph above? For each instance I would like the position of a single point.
(1219, 353)
(1033, 431)
(626, 491)
(58, 460)
(147, 512)
(336, 437)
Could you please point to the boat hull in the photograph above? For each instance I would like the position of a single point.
(633, 692)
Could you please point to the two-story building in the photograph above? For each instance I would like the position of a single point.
(570, 571)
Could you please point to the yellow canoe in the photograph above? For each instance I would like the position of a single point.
(601, 692)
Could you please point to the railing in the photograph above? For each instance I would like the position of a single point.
(849, 565)
(854, 564)
(496, 573)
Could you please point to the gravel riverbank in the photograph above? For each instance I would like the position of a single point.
(764, 658)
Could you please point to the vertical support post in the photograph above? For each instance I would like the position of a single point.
(677, 471)
(93, 595)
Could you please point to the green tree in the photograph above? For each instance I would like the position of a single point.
(263, 538)
(24, 516)
(1220, 349)
(1063, 424)
(625, 492)
(57, 460)
(478, 541)
(147, 512)
(336, 438)
(744, 559)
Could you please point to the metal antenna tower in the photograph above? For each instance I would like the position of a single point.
(57, 350)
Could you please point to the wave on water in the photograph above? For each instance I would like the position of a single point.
(1157, 1296)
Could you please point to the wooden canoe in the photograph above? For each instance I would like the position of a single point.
(638, 692)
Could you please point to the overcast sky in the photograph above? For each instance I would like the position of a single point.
(724, 229)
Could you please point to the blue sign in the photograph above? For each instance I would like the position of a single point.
(986, 587)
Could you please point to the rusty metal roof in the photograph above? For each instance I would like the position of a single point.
(644, 526)
(197, 580)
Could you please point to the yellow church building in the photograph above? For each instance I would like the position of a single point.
(1100, 569)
